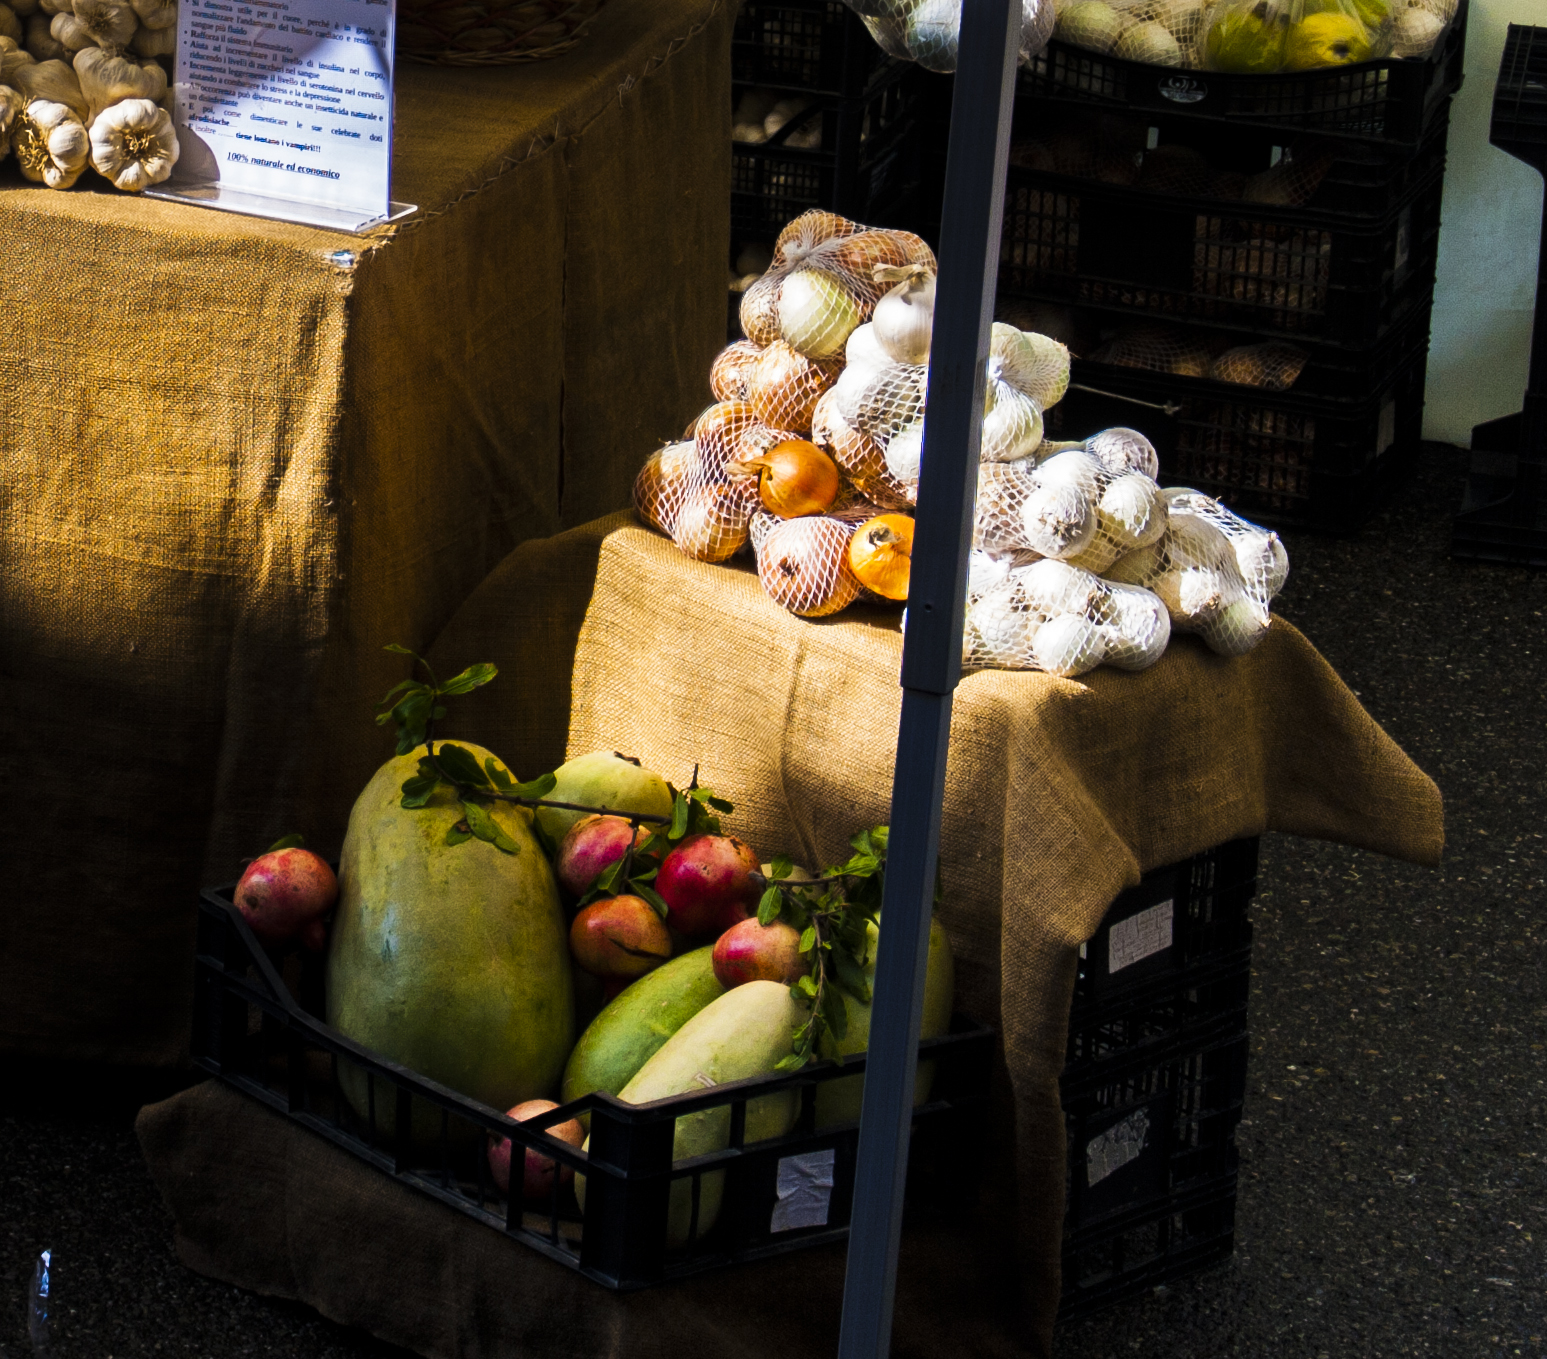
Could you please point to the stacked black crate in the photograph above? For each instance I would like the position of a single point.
(822, 118)
(1244, 266)
(1155, 1080)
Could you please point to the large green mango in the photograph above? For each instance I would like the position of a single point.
(450, 959)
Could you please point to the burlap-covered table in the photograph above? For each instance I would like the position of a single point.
(239, 457)
(1059, 794)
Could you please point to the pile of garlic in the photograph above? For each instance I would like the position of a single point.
(813, 452)
(82, 86)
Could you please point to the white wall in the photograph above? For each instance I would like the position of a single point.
(1485, 291)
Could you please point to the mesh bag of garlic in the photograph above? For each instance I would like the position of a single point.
(812, 453)
(927, 31)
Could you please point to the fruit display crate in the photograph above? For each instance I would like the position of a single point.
(1285, 459)
(1392, 100)
(865, 167)
(1285, 273)
(1218, 166)
(815, 46)
(1155, 1082)
(647, 1219)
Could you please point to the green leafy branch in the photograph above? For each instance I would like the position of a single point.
(415, 706)
(832, 913)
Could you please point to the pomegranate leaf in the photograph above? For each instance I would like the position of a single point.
(781, 867)
(418, 791)
(679, 818)
(291, 841)
(474, 677)
(541, 786)
(653, 897)
(487, 829)
(835, 1012)
(460, 765)
(769, 905)
(808, 939)
(458, 834)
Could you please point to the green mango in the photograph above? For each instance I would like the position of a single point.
(742, 1034)
(602, 779)
(452, 960)
(636, 1023)
(839, 1101)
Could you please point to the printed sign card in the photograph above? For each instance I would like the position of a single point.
(284, 109)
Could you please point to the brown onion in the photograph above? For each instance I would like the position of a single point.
(793, 478)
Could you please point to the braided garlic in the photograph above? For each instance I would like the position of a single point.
(133, 144)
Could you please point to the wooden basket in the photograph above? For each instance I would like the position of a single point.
(489, 32)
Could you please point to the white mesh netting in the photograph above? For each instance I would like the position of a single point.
(814, 462)
(926, 31)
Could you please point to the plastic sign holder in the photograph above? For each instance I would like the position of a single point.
(931, 656)
(283, 109)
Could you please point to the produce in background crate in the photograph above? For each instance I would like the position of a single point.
(928, 31)
(1254, 37)
(538, 1172)
(285, 894)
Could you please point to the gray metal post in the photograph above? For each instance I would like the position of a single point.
(931, 659)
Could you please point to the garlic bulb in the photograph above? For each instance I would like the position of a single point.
(1001, 627)
(1139, 627)
(133, 144)
(1056, 587)
(904, 317)
(1069, 645)
(905, 457)
(110, 23)
(53, 81)
(1132, 511)
(10, 25)
(863, 352)
(41, 43)
(51, 144)
(11, 105)
(11, 62)
(816, 313)
(1039, 366)
(22, 8)
(154, 42)
(1012, 424)
(1124, 450)
(1073, 467)
(109, 79)
(53, 7)
(1236, 629)
(1057, 520)
(155, 13)
(1193, 595)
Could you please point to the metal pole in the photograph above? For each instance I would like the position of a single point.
(931, 658)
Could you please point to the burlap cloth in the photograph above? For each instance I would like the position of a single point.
(239, 457)
(1059, 793)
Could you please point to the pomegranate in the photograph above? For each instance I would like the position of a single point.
(537, 1179)
(592, 844)
(283, 892)
(752, 952)
(707, 883)
(619, 937)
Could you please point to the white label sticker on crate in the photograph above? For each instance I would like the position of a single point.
(1135, 939)
(1118, 1145)
(805, 1188)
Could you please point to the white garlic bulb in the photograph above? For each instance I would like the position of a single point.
(11, 105)
(154, 42)
(51, 144)
(107, 79)
(1069, 645)
(863, 352)
(1012, 423)
(904, 317)
(133, 144)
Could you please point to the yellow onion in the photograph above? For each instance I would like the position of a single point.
(793, 478)
(784, 386)
(712, 523)
(728, 377)
(804, 566)
(662, 484)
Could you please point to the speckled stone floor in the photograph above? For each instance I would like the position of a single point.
(1393, 1180)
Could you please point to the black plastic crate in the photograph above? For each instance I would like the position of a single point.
(1280, 458)
(1358, 182)
(1286, 273)
(865, 167)
(816, 45)
(1390, 100)
(252, 1031)
(1155, 1080)
(1178, 919)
